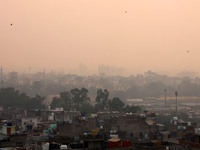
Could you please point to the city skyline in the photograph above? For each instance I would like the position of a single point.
(83, 70)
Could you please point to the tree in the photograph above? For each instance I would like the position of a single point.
(116, 104)
(87, 109)
(79, 97)
(102, 99)
(35, 102)
(9, 97)
(56, 102)
(73, 100)
(66, 100)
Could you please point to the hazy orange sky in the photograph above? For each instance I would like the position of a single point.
(139, 35)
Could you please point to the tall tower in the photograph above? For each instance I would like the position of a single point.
(176, 94)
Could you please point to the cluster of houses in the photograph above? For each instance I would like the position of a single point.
(58, 129)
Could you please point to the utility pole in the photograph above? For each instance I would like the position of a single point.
(176, 94)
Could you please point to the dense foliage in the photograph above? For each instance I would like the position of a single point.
(75, 99)
(9, 97)
(78, 99)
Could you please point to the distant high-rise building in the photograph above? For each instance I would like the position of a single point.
(104, 70)
(110, 70)
(27, 81)
(14, 78)
(83, 70)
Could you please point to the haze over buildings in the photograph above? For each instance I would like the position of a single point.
(137, 35)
